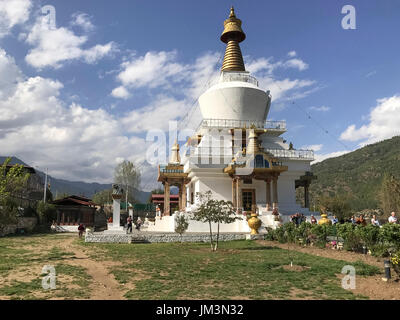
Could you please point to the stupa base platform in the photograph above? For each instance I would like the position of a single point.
(157, 237)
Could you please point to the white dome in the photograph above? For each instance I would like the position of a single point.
(237, 100)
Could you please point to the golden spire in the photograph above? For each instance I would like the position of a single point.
(175, 157)
(253, 146)
(232, 36)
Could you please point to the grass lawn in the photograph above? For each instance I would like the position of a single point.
(238, 270)
(21, 263)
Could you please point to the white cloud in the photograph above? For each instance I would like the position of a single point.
(292, 54)
(282, 88)
(154, 69)
(12, 13)
(74, 142)
(384, 123)
(120, 92)
(83, 21)
(321, 108)
(9, 74)
(296, 64)
(154, 116)
(260, 64)
(53, 47)
(314, 147)
(322, 157)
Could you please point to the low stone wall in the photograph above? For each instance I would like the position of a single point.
(27, 223)
(107, 238)
(145, 237)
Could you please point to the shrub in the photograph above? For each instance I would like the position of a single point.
(352, 239)
(302, 232)
(271, 235)
(389, 234)
(343, 230)
(46, 212)
(279, 234)
(369, 234)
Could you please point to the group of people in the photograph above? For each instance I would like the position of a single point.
(298, 218)
(360, 220)
(374, 220)
(129, 224)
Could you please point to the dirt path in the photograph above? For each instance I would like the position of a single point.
(103, 286)
(372, 287)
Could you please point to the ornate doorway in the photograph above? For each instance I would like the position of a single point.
(248, 199)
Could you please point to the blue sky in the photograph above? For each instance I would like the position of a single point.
(80, 97)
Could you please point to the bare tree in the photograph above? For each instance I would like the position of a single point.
(128, 175)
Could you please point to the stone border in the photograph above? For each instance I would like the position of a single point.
(99, 237)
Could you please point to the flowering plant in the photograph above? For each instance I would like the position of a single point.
(395, 259)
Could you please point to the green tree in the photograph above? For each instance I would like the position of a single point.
(389, 195)
(128, 175)
(103, 197)
(46, 212)
(339, 205)
(214, 211)
(181, 224)
(13, 180)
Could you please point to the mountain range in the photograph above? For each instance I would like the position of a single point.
(358, 174)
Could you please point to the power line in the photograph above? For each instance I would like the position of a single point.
(326, 131)
(192, 108)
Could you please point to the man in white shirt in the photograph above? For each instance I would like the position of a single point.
(393, 218)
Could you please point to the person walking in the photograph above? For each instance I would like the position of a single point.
(138, 224)
(392, 218)
(129, 224)
(335, 220)
(81, 229)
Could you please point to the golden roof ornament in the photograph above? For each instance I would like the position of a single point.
(253, 146)
(232, 36)
(175, 157)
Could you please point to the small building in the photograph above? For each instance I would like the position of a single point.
(73, 210)
(159, 200)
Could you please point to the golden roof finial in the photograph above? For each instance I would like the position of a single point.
(175, 157)
(253, 146)
(232, 14)
(232, 36)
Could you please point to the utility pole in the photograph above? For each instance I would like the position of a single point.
(127, 199)
(45, 186)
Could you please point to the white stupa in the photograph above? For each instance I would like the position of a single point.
(236, 153)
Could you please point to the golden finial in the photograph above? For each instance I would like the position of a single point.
(232, 14)
(253, 146)
(232, 36)
(175, 157)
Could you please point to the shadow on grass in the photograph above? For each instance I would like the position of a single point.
(258, 248)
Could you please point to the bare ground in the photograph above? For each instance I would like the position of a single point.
(104, 286)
